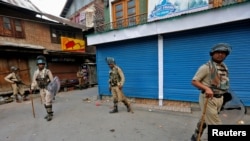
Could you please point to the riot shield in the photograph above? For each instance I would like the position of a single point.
(54, 86)
(233, 109)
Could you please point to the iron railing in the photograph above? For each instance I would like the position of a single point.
(123, 23)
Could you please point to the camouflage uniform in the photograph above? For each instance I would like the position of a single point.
(41, 78)
(16, 84)
(80, 76)
(213, 81)
(116, 82)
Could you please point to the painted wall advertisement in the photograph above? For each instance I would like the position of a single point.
(70, 44)
(161, 9)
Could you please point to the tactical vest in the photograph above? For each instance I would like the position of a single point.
(219, 76)
(114, 77)
(43, 79)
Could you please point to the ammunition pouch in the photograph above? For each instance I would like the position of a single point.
(113, 85)
(42, 82)
(218, 95)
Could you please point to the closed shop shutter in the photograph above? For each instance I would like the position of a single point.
(138, 59)
(185, 51)
(6, 61)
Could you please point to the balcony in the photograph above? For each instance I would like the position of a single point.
(123, 23)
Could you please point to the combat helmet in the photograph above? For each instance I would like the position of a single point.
(110, 60)
(224, 47)
(40, 60)
(13, 68)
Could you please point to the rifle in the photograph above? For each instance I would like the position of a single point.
(21, 83)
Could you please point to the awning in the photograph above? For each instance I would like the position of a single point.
(70, 53)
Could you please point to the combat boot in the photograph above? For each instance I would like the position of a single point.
(128, 107)
(49, 118)
(49, 115)
(46, 117)
(115, 110)
(17, 100)
(25, 98)
(194, 137)
(80, 87)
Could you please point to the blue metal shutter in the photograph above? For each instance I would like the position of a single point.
(138, 59)
(185, 51)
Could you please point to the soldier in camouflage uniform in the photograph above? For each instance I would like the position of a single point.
(80, 75)
(16, 83)
(213, 81)
(116, 82)
(41, 78)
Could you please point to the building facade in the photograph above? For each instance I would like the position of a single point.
(160, 52)
(24, 36)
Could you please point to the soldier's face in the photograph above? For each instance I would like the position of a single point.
(41, 66)
(111, 65)
(219, 56)
(16, 71)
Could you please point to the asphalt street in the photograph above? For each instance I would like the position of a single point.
(80, 116)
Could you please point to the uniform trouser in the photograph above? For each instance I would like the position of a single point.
(81, 81)
(212, 109)
(118, 96)
(212, 113)
(46, 96)
(17, 89)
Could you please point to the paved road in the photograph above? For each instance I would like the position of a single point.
(78, 117)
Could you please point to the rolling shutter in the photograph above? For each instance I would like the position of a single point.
(138, 59)
(185, 51)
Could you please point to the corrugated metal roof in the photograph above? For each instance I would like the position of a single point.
(22, 4)
(65, 21)
(26, 4)
(66, 8)
(6, 43)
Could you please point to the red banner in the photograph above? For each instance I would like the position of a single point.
(70, 44)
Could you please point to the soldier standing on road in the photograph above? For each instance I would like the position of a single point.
(213, 81)
(80, 75)
(16, 83)
(85, 75)
(41, 78)
(116, 82)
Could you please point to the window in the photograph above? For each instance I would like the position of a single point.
(7, 27)
(124, 13)
(131, 12)
(6, 23)
(119, 14)
(77, 18)
(57, 33)
(18, 29)
(11, 27)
